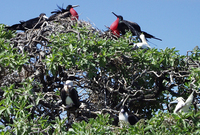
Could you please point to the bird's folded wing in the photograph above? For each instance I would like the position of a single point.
(179, 107)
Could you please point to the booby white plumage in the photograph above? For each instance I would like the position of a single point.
(143, 44)
(183, 106)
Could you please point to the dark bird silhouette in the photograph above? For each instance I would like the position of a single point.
(69, 95)
(121, 26)
(63, 13)
(125, 118)
(16, 27)
(29, 24)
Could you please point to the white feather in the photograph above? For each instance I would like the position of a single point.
(123, 119)
(142, 44)
(69, 83)
(183, 106)
(68, 101)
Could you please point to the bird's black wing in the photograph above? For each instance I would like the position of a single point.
(138, 29)
(15, 27)
(135, 26)
(147, 35)
(132, 119)
(59, 10)
(74, 97)
(127, 26)
(61, 15)
(63, 96)
(53, 17)
(32, 22)
(65, 15)
(115, 121)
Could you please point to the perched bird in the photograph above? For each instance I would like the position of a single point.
(63, 13)
(125, 119)
(16, 27)
(143, 44)
(69, 95)
(29, 24)
(183, 106)
(121, 26)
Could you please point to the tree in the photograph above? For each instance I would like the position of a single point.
(106, 70)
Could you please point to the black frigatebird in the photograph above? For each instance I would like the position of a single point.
(125, 118)
(16, 27)
(121, 26)
(29, 24)
(63, 13)
(69, 95)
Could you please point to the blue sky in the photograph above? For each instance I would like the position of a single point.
(176, 22)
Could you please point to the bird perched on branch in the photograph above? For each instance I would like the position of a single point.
(63, 13)
(182, 105)
(69, 95)
(125, 118)
(29, 24)
(120, 26)
(143, 44)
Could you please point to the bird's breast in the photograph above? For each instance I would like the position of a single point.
(68, 100)
(123, 117)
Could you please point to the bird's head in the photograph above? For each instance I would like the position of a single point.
(124, 109)
(142, 36)
(118, 16)
(68, 84)
(44, 16)
(179, 99)
(70, 6)
(73, 12)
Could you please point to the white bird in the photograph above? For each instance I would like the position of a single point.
(183, 106)
(143, 44)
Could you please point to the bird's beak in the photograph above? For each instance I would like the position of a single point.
(173, 102)
(115, 14)
(45, 17)
(75, 6)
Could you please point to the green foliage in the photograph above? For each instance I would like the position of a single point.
(195, 71)
(87, 54)
(160, 124)
(9, 57)
(100, 126)
(92, 54)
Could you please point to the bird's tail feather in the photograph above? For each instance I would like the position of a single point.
(147, 35)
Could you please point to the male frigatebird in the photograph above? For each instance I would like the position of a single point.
(143, 44)
(183, 106)
(121, 26)
(125, 118)
(63, 13)
(69, 95)
(29, 24)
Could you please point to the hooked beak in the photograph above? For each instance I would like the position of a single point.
(75, 6)
(45, 17)
(115, 14)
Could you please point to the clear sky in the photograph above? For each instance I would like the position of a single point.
(176, 22)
